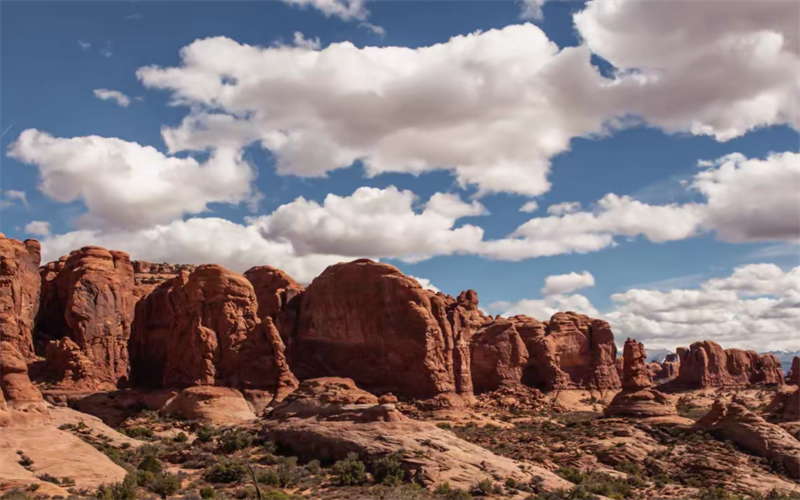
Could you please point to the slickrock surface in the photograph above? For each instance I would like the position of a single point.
(431, 455)
(576, 352)
(20, 286)
(367, 321)
(738, 424)
(202, 328)
(707, 364)
(88, 297)
(21, 403)
(637, 398)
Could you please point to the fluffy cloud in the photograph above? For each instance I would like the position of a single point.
(543, 309)
(493, 107)
(757, 307)
(529, 207)
(37, 227)
(197, 241)
(426, 283)
(375, 223)
(751, 199)
(113, 95)
(343, 9)
(126, 185)
(566, 207)
(709, 67)
(564, 283)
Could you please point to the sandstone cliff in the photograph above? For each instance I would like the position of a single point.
(706, 364)
(19, 292)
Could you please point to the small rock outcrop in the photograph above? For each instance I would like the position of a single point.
(88, 298)
(707, 364)
(20, 286)
(369, 322)
(498, 356)
(21, 402)
(335, 399)
(211, 404)
(576, 352)
(740, 425)
(637, 399)
(202, 329)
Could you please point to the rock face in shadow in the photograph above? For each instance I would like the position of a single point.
(707, 364)
(498, 356)
(368, 321)
(20, 286)
(88, 298)
(328, 418)
(637, 399)
(278, 297)
(738, 424)
(202, 328)
(793, 377)
(21, 402)
(670, 368)
(575, 352)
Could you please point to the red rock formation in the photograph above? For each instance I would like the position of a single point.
(706, 364)
(635, 372)
(576, 352)
(19, 292)
(202, 328)
(619, 363)
(147, 276)
(498, 356)
(637, 399)
(736, 423)
(793, 376)
(88, 297)
(670, 368)
(20, 401)
(278, 299)
(367, 321)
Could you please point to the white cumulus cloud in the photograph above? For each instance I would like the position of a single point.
(564, 283)
(38, 227)
(126, 185)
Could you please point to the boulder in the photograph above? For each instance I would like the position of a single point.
(211, 404)
(706, 364)
(576, 352)
(736, 423)
(784, 410)
(335, 399)
(20, 286)
(498, 356)
(21, 403)
(793, 377)
(88, 297)
(637, 399)
(368, 321)
(202, 328)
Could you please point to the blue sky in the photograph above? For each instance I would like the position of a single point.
(632, 139)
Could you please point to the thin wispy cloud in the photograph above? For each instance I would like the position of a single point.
(113, 95)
